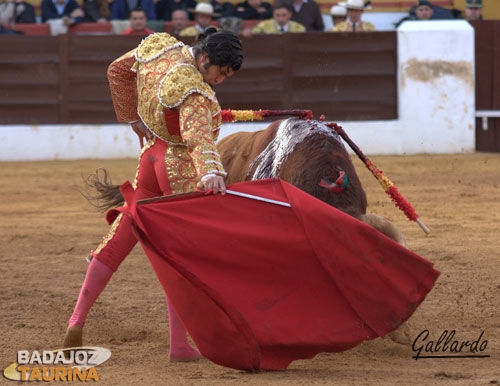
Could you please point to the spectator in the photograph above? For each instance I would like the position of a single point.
(166, 8)
(138, 21)
(231, 23)
(66, 10)
(353, 22)
(307, 13)
(339, 15)
(120, 9)
(424, 10)
(280, 23)
(180, 20)
(223, 8)
(16, 11)
(228, 21)
(253, 10)
(473, 10)
(203, 15)
(96, 11)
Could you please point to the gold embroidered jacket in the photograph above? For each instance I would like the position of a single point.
(159, 83)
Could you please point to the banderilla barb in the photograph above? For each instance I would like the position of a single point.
(384, 181)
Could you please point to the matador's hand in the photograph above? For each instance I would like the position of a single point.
(142, 131)
(215, 183)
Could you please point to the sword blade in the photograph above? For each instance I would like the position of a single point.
(258, 198)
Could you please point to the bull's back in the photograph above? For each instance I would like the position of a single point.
(238, 150)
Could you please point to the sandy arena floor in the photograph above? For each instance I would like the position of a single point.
(47, 228)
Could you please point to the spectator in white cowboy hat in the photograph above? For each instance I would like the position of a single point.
(473, 10)
(203, 15)
(353, 23)
(338, 13)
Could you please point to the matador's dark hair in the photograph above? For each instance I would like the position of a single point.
(223, 48)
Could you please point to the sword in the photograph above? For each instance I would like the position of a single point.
(258, 198)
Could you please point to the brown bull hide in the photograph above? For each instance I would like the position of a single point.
(309, 151)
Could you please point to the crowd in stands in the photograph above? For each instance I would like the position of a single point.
(189, 17)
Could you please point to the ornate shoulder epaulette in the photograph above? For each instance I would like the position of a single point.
(155, 45)
(181, 81)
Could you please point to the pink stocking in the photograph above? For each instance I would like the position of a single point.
(96, 279)
(180, 349)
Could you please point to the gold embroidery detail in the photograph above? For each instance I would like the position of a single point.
(182, 174)
(109, 236)
(154, 46)
(181, 81)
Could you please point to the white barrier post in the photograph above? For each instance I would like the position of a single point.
(436, 86)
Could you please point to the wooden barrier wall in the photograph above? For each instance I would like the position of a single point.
(487, 37)
(62, 79)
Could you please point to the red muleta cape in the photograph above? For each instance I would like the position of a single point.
(259, 285)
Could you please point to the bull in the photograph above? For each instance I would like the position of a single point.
(311, 156)
(307, 154)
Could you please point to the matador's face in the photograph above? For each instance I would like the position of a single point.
(211, 73)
